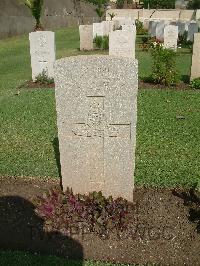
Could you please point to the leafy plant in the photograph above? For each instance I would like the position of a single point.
(112, 15)
(168, 4)
(36, 9)
(102, 43)
(95, 213)
(164, 65)
(182, 40)
(120, 3)
(140, 27)
(193, 4)
(44, 79)
(195, 83)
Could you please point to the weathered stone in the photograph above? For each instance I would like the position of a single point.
(195, 70)
(152, 28)
(122, 43)
(192, 28)
(98, 29)
(131, 28)
(42, 50)
(171, 37)
(160, 30)
(86, 37)
(96, 101)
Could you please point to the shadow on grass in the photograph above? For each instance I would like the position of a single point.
(22, 230)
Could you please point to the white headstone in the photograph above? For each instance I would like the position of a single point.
(42, 50)
(122, 43)
(171, 37)
(195, 70)
(96, 102)
(86, 37)
(98, 29)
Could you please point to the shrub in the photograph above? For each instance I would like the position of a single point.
(195, 83)
(102, 43)
(95, 213)
(182, 40)
(140, 27)
(44, 79)
(164, 65)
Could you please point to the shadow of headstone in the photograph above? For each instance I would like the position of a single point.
(22, 229)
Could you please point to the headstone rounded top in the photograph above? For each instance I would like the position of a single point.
(94, 58)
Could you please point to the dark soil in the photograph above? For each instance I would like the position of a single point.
(142, 85)
(161, 230)
(38, 85)
(150, 85)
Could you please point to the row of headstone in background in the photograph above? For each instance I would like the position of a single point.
(121, 42)
(156, 28)
(195, 69)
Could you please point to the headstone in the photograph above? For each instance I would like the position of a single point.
(126, 21)
(106, 27)
(98, 29)
(160, 30)
(146, 24)
(86, 37)
(42, 50)
(122, 43)
(182, 27)
(131, 28)
(96, 102)
(152, 28)
(195, 70)
(171, 37)
(192, 28)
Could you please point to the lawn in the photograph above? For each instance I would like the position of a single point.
(167, 146)
(25, 259)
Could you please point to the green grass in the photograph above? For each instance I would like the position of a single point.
(167, 148)
(11, 258)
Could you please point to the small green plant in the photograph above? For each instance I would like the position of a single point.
(164, 65)
(182, 40)
(44, 79)
(102, 43)
(195, 83)
(140, 28)
(36, 9)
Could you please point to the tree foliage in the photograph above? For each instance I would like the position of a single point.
(168, 4)
(193, 4)
(36, 9)
(100, 6)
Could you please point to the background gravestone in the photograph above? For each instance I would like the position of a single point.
(192, 29)
(96, 102)
(98, 29)
(86, 37)
(171, 37)
(195, 70)
(122, 43)
(160, 30)
(42, 50)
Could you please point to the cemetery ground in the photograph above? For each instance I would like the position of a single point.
(168, 144)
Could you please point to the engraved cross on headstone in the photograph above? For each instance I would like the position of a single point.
(97, 129)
